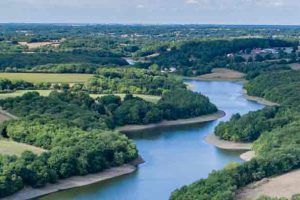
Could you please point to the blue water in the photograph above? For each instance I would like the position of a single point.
(174, 156)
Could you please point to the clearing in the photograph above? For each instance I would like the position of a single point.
(285, 185)
(295, 66)
(47, 77)
(35, 45)
(222, 74)
(21, 92)
(9, 147)
(149, 98)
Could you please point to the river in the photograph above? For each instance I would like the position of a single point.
(174, 156)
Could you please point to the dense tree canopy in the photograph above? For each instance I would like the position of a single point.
(71, 151)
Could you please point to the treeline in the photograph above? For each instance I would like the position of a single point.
(9, 61)
(7, 85)
(248, 128)
(107, 80)
(282, 87)
(223, 184)
(277, 147)
(80, 68)
(70, 151)
(131, 80)
(80, 110)
(254, 69)
(197, 57)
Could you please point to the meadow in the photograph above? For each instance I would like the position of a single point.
(9, 147)
(47, 77)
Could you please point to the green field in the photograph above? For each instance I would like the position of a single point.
(8, 147)
(21, 92)
(149, 98)
(46, 77)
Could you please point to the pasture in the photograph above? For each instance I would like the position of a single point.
(47, 77)
(9, 147)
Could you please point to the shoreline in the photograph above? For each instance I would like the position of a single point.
(227, 145)
(283, 185)
(179, 122)
(232, 146)
(222, 74)
(259, 100)
(76, 181)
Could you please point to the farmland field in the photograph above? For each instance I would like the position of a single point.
(46, 77)
(149, 98)
(9, 147)
(21, 92)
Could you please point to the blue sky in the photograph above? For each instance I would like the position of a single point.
(152, 11)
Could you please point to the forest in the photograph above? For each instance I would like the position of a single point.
(131, 80)
(106, 112)
(198, 57)
(274, 131)
(77, 131)
(70, 151)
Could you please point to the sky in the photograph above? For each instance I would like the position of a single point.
(275, 12)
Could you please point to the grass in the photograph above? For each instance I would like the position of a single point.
(149, 98)
(47, 77)
(9, 147)
(21, 92)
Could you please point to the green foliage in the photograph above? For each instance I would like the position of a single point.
(22, 60)
(224, 184)
(197, 57)
(7, 85)
(180, 104)
(72, 151)
(249, 127)
(273, 85)
(131, 80)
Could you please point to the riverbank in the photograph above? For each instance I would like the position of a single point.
(179, 122)
(258, 99)
(222, 74)
(227, 145)
(76, 181)
(284, 185)
(233, 146)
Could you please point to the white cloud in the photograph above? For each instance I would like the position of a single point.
(140, 6)
(191, 1)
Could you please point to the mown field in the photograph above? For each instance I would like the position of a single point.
(46, 77)
(9, 147)
(149, 98)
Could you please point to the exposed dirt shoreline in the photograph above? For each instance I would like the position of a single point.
(196, 120)
(221, 74)
(259, 99)
(227, 145)
(284, 185)
(76, 181)
(234, 146)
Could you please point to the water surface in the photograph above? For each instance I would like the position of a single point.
(174, 156)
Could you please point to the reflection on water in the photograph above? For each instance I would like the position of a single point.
(174, 156)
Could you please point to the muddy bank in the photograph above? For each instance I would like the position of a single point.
(196, 120)
(76, 181)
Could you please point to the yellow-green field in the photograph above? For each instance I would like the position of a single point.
(21, 92)
(149, 98)
(8, 147)
(49, 78)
